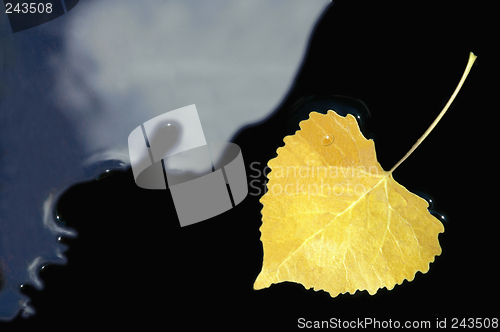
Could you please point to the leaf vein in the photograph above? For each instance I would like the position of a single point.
(329, 223)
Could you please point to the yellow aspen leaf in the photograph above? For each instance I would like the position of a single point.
(334, 220)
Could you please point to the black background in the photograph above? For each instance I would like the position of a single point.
(132, 263)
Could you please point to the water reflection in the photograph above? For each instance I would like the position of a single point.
(72, 90)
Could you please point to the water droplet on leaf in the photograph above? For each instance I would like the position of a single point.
(327, 140)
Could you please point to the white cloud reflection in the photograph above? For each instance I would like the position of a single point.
(126, 63)
(122, 63)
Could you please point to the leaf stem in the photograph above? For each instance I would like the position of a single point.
(472, 58)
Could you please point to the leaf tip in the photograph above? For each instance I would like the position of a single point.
(261, 282)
